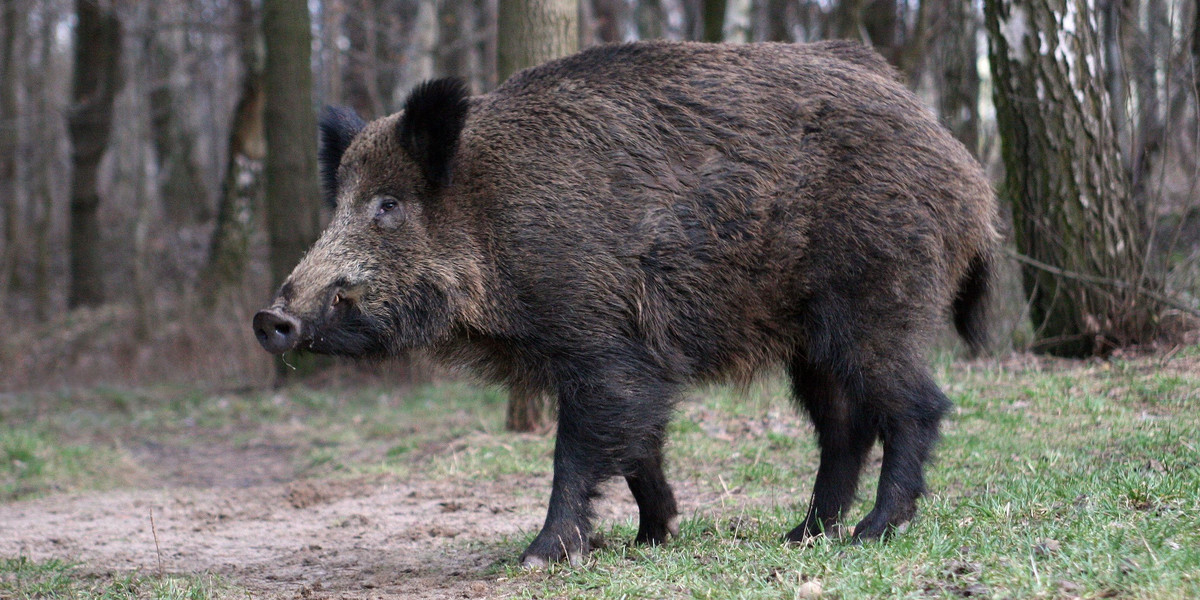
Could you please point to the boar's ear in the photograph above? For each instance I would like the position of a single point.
(434, 115)
(338, 127)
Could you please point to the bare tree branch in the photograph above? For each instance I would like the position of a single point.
(1105, 281)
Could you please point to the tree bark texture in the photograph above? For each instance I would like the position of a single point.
(179, 177)
(613, 20)
(1196, 49)
(954, 54)
(1069, 193)
(527, 411)
(872, 22)
(531, 32)
(290, 131)
(9, 28)
(1153, 43)
(241, 191)
(361, 88)
(96, 79)
(714, 20)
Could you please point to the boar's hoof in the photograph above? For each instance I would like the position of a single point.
(547, 549)
(653, 534)
(878, 524)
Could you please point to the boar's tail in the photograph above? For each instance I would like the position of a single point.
(970, 305)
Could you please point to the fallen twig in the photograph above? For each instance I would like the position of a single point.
(157, 550)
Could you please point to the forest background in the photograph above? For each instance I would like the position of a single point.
(157, 159)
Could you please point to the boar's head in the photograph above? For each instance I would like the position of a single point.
(388, 273)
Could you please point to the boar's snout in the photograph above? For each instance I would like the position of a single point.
(276, 330)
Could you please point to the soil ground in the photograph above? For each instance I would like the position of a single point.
(244, 512)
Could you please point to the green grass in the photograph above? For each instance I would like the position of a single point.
(22, 579)
(1053, 479)
(1073, 480)
(34, 460)
(79, 440)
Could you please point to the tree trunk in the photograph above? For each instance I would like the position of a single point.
(179, 180)
(331, 64)
(532, 32)
(1153, 43)
(490, 45)
(955, 54)
(527, 411)
(1070, 196)
(360, 90)
(290, 131)
(613, 18)
(455, 49)
(46, 175)
(846, 21)
(1196, 50)
(714, 20)
(1112, 43)
(772, 20)
(229, 250)
(873, 22)
(9, 209)
(293, 201)
(418, 64)
(97, 76)
(648, 16)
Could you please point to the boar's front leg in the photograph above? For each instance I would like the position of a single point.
(569, 518)
(604, 430)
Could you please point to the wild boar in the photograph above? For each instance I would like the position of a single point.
(619, 224)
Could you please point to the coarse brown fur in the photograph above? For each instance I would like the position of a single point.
(618, 224)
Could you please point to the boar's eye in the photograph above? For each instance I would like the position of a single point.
(389, 212)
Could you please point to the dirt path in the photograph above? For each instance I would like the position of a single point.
(353, 539)
(236, 501)
(232, 515)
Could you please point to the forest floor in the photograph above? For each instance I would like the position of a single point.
(1053, 479)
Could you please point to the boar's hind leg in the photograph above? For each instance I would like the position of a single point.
(911, 406)
(656, 502)
(846, 431)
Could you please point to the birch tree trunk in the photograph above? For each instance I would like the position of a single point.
(1072, 209)
(241, 192)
